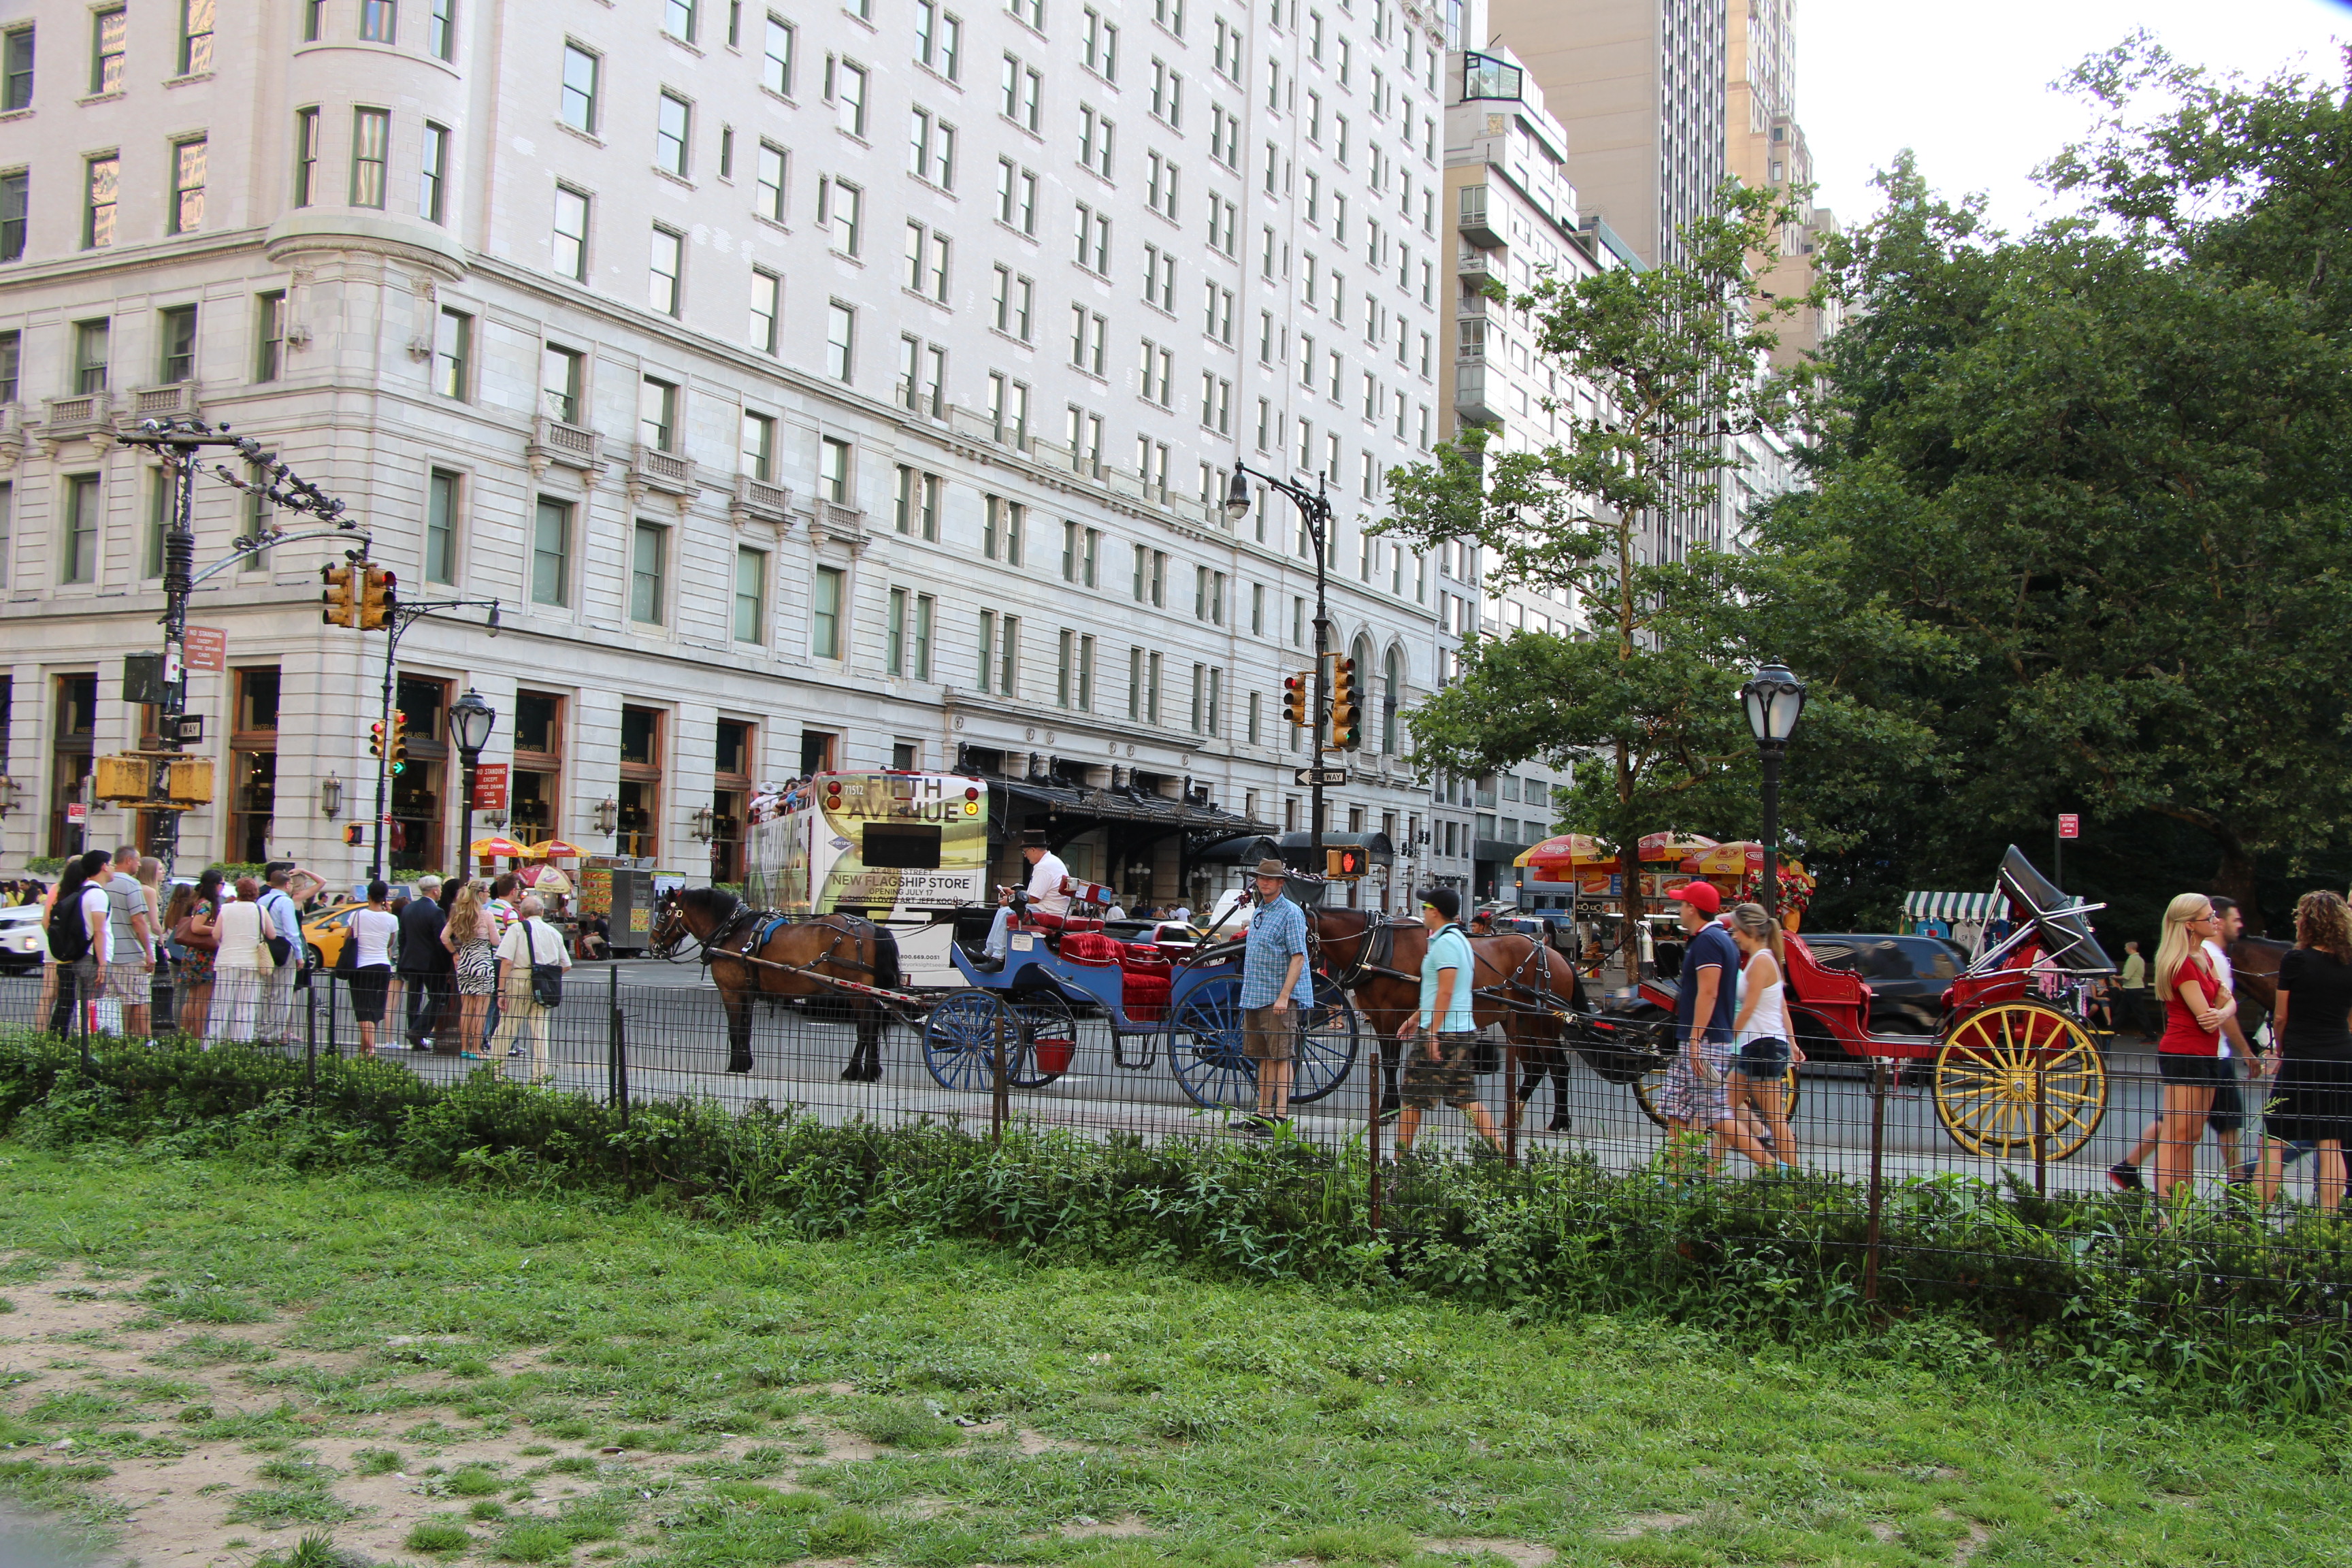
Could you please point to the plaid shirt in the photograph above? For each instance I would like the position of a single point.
(1276, 931)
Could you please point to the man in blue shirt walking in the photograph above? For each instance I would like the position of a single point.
(1275, 995)
(1439, 1037)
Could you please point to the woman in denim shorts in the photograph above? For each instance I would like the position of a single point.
(1758, 1086)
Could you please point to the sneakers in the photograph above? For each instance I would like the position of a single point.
(1257, 1124)
(2125, 1175)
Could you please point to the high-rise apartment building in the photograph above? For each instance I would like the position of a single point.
(1639, 88)
(1768, 150)
(838, 387)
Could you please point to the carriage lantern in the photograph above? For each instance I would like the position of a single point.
(1773, 698)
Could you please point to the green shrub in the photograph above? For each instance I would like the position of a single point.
(439, 1535)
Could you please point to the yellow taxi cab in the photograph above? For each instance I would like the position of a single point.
(324, 933)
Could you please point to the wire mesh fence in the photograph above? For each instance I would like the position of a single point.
(1890, 1160)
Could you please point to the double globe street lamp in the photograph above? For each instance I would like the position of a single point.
(1773, 698)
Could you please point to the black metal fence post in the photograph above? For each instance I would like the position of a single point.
(83, 1007)
(2041, 1129)
(310, 1043)
(1511, 1107)
(616, 1048)
(1372, 1193)
(1000, 1097)
(334, 984)
(1878, 1076)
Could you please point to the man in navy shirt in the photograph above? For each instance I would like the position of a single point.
(1693, 1098)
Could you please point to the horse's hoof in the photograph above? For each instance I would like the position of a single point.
(1561, 1122)
(744, 1066)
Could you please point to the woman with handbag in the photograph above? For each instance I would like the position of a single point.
(532, 958)
(366, 961)
(243, 929)
(197, 935)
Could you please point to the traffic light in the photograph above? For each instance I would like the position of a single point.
(354, 834)
(339, 610)
(1297, 692)
(399, 743)
(375, 738)
(379, 598)
(1346, 719)
(1343, 865)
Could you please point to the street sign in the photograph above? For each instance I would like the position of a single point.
(77, 813)
(1326, 777)
(491, 786)
(207, 648)
(2070, 826)
(191, 728)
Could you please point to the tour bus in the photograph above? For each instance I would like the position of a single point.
(905, 849)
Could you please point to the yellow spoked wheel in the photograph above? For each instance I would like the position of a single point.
(1985, 1087)
(1646, 1087)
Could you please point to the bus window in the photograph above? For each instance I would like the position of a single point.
(901, 847)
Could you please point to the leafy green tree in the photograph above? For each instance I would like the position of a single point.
(1642, 707)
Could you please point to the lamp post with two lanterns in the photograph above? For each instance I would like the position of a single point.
(1773, 698)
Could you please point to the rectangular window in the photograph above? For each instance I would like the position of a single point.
(832, 469)
(550, 553)
(1151, 690)
(776, 63)
(195, 36)
(679, 18)
(983, 667)
(441, 30)
(768, 177)
(1100, 50)
(78, 563)
(12, 344)
(1065, 660)
(824, 613)
(648, 545)
(17, 69)
(658, 413)
(16, 207)
(187, 210)
(560, 371)
(176, 340)
(93, 344)
(665, 290)
(379, 21)
(1167, 94)
(673, 132)
(841, 207)
(270, 337)
(109, 33)
(370, 141)
(1086, 701)
(569, 242)
(767, 308)
(432, 172)
(580, 70)
(758, 445)
(751, 595)
(849, 98)
(840, 340)
(306, 157)
(926, 608)
(1135, 683)
(894, 634)
(453, 355)
(102, 188)
(441, 527)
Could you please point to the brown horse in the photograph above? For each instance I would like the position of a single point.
(1377, 962)
(2254, 971)
(742, 948)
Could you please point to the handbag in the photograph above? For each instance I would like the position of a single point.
(546, 979)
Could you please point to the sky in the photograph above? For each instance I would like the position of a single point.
(1972, 96)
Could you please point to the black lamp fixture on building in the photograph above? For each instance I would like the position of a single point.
(1773, 698)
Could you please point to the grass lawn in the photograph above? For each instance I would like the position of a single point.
(205, 1363)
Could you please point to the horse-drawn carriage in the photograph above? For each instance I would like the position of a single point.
(2013, 1063)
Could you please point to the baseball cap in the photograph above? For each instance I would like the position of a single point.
(1444, 901)
(1701, 896)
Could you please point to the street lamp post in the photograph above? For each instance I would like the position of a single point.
(1773, 698)
(1315, 511)
(471, 720)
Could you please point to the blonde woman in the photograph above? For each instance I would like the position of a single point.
(471, 935)
(1758, 1084)
(2196, 1005)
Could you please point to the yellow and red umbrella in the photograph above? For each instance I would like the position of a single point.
(555, 849)
(1726, 860)
(497, 847)
(1674, 846)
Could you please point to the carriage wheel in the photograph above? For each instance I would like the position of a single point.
(959, 1041)
(1205, 1052)
(1327, 1053)
(1049, 1032)
(1646, 1087)
(1985, 1081)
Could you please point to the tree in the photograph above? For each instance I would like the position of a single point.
(1644, 700)
(2101, 472)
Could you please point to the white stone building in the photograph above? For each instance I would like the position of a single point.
(811, 386)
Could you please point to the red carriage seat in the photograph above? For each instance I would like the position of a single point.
(1062, 923)
(1145, 977)
(1090, 947)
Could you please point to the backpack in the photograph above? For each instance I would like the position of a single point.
(546, 979)
(68, 933)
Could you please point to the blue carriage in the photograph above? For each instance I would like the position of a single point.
(1184, 996)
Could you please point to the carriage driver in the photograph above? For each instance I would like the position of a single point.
(1046, 875)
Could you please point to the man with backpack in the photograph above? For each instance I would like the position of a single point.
(532, 957)
(76, 934)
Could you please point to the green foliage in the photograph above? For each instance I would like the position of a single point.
(439, 1535)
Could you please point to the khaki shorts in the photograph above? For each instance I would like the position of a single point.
(130, 983)
(1268, 1035)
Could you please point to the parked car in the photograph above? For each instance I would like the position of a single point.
(23, 948)
(324, 933)
(1908, 975)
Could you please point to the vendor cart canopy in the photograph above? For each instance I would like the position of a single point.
(1951, 906)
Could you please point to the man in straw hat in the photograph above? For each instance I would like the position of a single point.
(1046, 875)
(1275, 995)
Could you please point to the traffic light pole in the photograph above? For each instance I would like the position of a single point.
(1315, 511)
(179, 443)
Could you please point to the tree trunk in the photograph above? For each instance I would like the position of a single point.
(2233, 872)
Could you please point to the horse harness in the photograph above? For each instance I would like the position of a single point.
(749, 930)
(1376, 959)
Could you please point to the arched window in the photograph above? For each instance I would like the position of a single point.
(1392, 689)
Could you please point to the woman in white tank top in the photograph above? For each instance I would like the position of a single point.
(1758, 1087)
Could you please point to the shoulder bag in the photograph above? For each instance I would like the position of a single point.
(546, 979)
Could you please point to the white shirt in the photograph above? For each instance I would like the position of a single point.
(375, 931)
(1114, 914)
(2226, 975)
(1046, 880)
(95, 906)
(534, 942)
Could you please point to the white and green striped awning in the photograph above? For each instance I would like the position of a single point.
(1952, 906)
